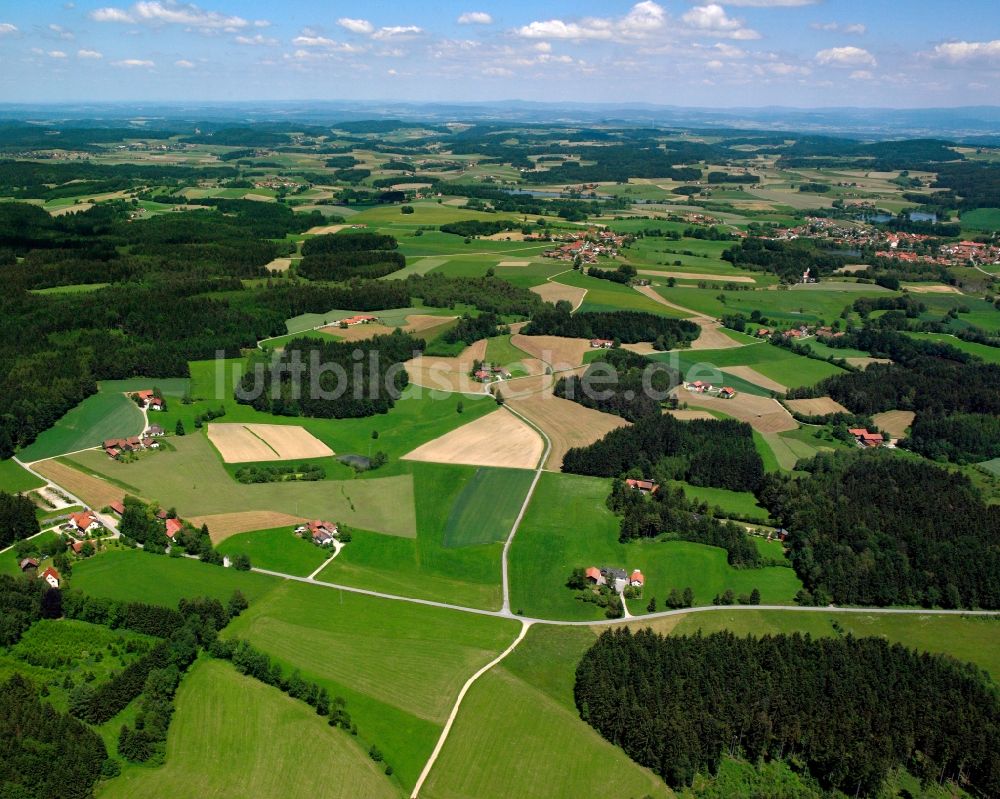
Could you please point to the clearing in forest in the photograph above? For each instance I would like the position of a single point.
(819, 406)
(247, 443)
(497, 439)
(553, 292)
(894, 423)
(557, 351)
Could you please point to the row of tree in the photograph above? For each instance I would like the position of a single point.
(628, 327)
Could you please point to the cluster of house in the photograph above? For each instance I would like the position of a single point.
(601, 344)
(149, 400)
(800, 332)
(321, 533)
(618, 579)
(171, 525)
(115, 447)
(587, 246)
(276, 183)
(866, 439)
(488, 373)
(359, 319)
(50, 574)
(702, 387)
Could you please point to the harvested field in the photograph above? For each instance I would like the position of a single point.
(223, 525)
(260, 198)
(690, 416)
(866, 362)
(448, 374)
(712, 337)
(497, 439)
(820, 406)
(357, 332)
(850, 269)
(514, 263)
(70, 209)
(751, 375)
(698, 276)
(763, 413)
(505, 235)
(561, 353)
(553, 292)
(244, 443)
(938, 288)
(279, 265)
(324, 230)
(642, 348)
(410, 186)
(894, 422)
(418, 322)
(93, 490)
(527, 386)
(567, 424)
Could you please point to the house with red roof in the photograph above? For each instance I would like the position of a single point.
(117, 507)
(322, 533)
(28, 564)
(727, 392)
(51, 576)
(601, 344)
(643, 486)
(84, 522)
(593, 574)
(173, 527)
(866, 439)
(636, 580)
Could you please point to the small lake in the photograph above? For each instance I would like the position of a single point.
(914, 216)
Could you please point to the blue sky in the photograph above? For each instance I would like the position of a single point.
(738, 53)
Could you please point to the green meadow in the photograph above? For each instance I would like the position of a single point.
(438, 565)
(741, 504)
(15, 479)
(983, 351)
(233, 736)
(399, 666)
(568, 526)
(604, 295)
(277, 549)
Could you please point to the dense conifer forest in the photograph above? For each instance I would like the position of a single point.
(621, 383)
(627, 327)
(847, 710)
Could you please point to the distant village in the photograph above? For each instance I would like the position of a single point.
(587, 246)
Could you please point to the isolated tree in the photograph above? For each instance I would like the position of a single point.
(460, 407)
(651, 607)
(179, 429)
(237, 604)
(688, 597)
(755, 597)
(241, 562)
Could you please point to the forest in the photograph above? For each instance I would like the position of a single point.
(718, 453)
(626, 327)
(786, 259)
(837, 706)
(872, 528)
(324, 379)
(621, 383)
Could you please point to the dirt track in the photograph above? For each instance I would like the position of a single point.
(711, 336)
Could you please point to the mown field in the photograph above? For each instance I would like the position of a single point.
(14, 479)
(431, 566)
(741, 504)
(277, 549)
(568, 526)
(485, 510)
(399, 666)
(604, 295)
(232, 736)
(987, 353)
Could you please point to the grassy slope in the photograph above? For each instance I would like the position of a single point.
(135, 576)
(233, 736)
(779, 364)
(399, 666)
(739, 503)
(103, 415)
(604, 295)
(424, 567)
(14, 479)
(987, 353)
(278, 549)
(568, 526)
(485, 510)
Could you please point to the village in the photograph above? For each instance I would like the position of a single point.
(588, 246)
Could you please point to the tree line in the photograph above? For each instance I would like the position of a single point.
(850, 710)
(627, 327)
(629, 394)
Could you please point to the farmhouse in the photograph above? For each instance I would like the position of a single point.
(360, 319)
(727, 392)
(866, 439)
(643, 486)
(117, 507)
(601, 344)
(28, 564)
(322, 533)
(173, 527)
(617, 577)
(149, 400)
(594, 576)
(636, 580)
(155, 431)
(51, 576)
(84, 522)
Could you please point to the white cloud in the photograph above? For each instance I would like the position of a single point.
(968, 52)
(172, 13)
(846, 57)
(324, 43)
(7, 28)
(396, 31)
(771, 3)
(356, 25)
(184, 64)
(712, 19)
(642, 20)
(497, 72)
(862, 74)
(543, 47)
(856, 29)
(93, 54)
(256, 41)
(56, 54)
(475, 18)
(60, 32)
(133, 63)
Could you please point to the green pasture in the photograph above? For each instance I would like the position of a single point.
(500, 350)
(568, 526)
(984, 351)
(106, 414)
(604, 295)
(484, 511)
(234, 736)
(981, 219)
(277, 549)
(78, 288)
(131, 575)
(15, 479)
(398, 665)
(741, 504)
(428, 566)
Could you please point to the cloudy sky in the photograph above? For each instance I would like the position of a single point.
(737, 53)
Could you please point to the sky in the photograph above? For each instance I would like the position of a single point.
(740, 53)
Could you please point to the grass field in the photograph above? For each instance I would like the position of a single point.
(992, 466)
(132, 575)
(192, 479)
(568, 526)
(485, 510)
(987, 219)
(106, 414)
(232, 736)
(741, 504)
(399, 666)
(603, 295)
(987, 353)
(426, 567)
(278, 549)
(14, 479)
(500, 350)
